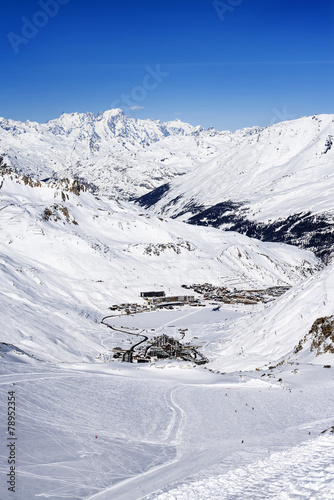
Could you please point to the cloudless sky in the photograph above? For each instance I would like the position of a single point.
(229, 64)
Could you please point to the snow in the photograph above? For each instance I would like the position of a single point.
(155, 428)
(272, 334)
(276, 171)
(180, 318)
(256, 421)
(64, 276)
(117, 154)
(281, 476)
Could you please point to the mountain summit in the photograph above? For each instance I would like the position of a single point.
(115, 153)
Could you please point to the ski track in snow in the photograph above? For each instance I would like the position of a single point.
(261, 480)
(134, 457)
(303, 472)
(140, 485)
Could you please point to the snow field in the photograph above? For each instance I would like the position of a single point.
(303, 472)
(271, 335)
(159, 428)
(276, 171)
(59, 279)
(58, 454)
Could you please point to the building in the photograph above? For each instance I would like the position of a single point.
(177, 299)
(146, 295)
(141, 359)
(125, 354)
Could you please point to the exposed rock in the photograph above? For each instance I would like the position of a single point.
(321, 336)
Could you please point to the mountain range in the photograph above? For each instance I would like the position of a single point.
(67, 255)
(273, 183)
(95, 210)
(116, 154)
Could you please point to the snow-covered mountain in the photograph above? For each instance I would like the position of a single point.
(274, 183)
(116, 154)
(89, 426)
(67, 255)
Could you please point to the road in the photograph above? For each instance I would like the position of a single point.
(131, 350)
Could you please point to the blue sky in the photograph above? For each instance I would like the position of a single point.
(229, 64)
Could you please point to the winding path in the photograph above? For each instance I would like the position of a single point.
(131, 350)
(141, 485)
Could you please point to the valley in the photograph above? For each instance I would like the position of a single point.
(154, 351)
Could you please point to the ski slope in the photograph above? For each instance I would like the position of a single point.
(145, 430)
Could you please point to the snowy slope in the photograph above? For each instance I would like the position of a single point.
(65, 258)
(114, 431)
(272, 335)
(275, 184)
(279, 169)
(281, 475)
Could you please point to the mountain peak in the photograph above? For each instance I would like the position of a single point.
(111, 113)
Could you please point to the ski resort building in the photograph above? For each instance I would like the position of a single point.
(175, 300)
(164, 347)
(146, 295)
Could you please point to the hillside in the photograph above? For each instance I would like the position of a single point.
(66, 256)
(274, 184)
(288, 330)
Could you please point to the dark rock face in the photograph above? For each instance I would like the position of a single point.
(305, 230)
(313, 232)
(151, 198)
